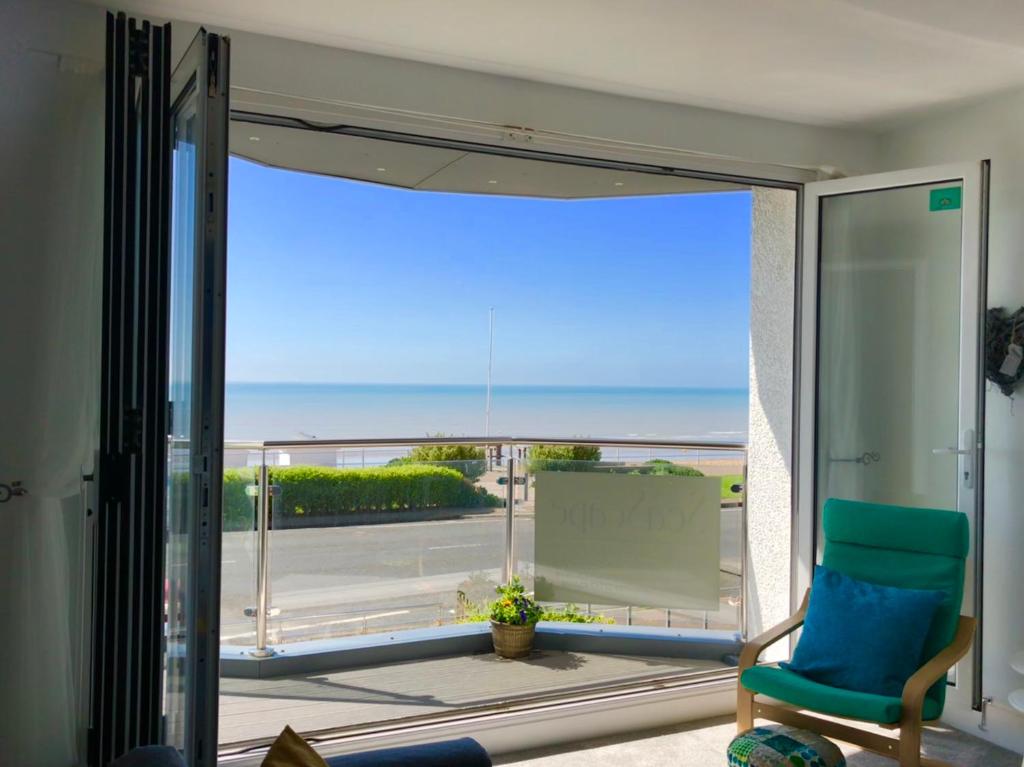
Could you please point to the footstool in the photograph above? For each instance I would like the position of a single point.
(779, 745)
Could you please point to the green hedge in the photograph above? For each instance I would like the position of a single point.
(728, 480)
(587, 458)
(563, 457)
(659, 467)
(469, 460)
(239, 508)
(316, 491)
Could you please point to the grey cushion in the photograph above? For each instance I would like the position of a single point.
(464, 752)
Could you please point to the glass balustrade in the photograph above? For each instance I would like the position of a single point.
(634, 551)
(621, 498)
(369, 539)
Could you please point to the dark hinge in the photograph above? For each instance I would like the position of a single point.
(133, 431)
(138, 53)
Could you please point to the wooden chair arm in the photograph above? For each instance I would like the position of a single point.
(932, 671)
(754, 648)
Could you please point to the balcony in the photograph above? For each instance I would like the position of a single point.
(356, 574)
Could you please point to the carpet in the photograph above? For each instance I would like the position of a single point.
(703, 744)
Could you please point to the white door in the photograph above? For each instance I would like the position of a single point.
(892, 310)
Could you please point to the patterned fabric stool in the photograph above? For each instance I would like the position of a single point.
(782, 746)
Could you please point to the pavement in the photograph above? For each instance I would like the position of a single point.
(339, 581)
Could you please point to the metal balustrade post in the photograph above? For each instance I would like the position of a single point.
(524, 457)
(510, 528)
(262, 560)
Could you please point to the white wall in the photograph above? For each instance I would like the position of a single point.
(993, 129)
(769, 470)
(51, 150)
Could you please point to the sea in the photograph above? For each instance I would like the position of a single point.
(334, 411)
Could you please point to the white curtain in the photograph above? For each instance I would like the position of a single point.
(51, 219)
(840, 398)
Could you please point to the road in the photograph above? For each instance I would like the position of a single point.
(350, 580)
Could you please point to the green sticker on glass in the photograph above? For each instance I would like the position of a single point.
(947, 198)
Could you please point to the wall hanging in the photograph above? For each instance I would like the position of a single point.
(1004, 348)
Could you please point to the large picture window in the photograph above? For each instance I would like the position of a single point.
(435, 358)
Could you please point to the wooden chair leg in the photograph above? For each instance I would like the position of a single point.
(744, 708)
(910, 743)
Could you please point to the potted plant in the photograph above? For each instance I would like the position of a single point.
(514, 617)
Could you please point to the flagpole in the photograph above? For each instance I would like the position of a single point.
(490, 363)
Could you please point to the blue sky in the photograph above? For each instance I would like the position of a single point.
(340, 281)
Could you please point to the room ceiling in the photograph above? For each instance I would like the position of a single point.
(854, 63)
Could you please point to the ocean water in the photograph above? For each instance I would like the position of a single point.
(263, 411)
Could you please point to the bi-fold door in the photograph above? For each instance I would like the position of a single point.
(156, 564)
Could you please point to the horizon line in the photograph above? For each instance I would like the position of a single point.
(483, 385)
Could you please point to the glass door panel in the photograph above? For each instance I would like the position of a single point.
(180, 482)
(889, 347)
(890, 379)
(198, 164)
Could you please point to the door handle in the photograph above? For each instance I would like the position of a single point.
(969, 452)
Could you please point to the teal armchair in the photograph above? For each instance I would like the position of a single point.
(890, 546)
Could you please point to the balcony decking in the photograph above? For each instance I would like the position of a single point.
(253, 709)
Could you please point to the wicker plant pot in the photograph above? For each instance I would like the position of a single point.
(512, 641)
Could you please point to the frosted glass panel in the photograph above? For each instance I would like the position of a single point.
(616, 539)
(888, 346)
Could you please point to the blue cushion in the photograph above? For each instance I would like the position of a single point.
(862, 636)
(464, 752)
